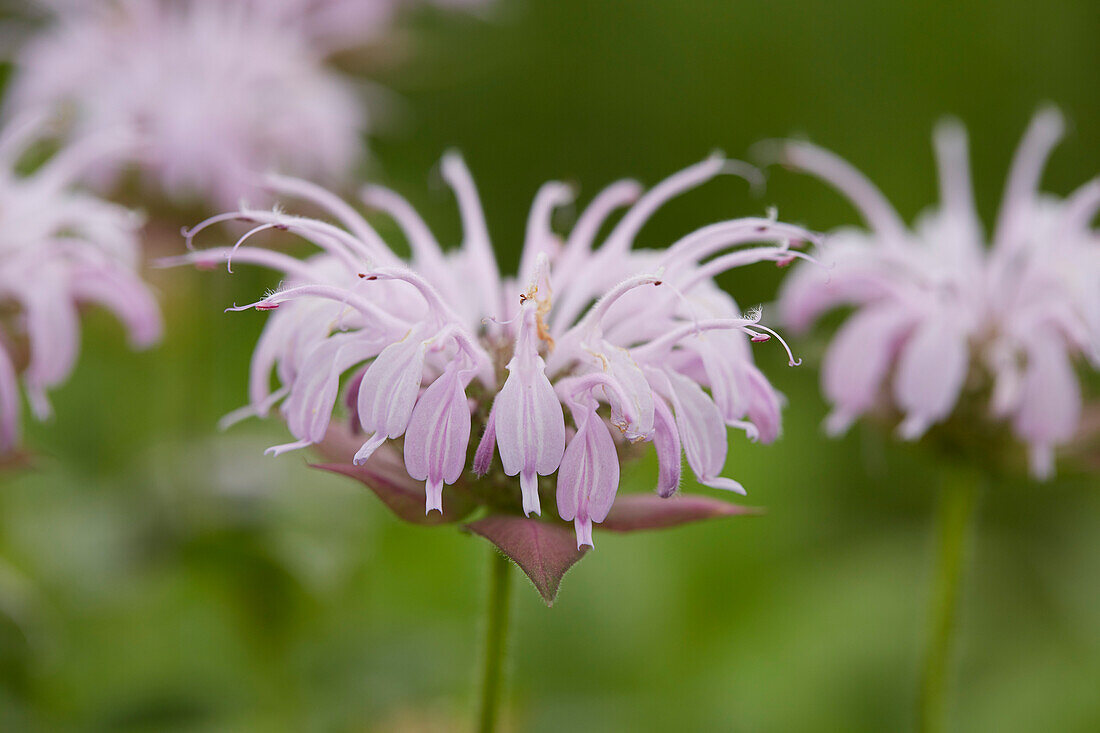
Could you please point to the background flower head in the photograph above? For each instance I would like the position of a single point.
(584, 352)
(936, 308)
(216, 91)
(59, 249)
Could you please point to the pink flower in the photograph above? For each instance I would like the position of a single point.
(937, 308)
(218, 90)
(628, 340)
(60, 249)
(337, 24)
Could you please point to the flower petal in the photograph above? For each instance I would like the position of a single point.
(858, 359)
(438, 435)
(389, 389)
(931, 370)
(530, 425)
(666, 440)
(589, 474)
(1050, 405)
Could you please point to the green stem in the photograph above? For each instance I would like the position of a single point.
(957, 499)
(496, 635)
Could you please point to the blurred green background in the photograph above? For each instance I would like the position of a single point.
(158, 576)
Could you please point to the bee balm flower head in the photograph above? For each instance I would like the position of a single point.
(59, 249)
(559, 369)
(936, 307)
(215, 90)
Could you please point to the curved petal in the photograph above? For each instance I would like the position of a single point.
(389, 390)
(858, 359)
(438, 435)
(931, 370)
(589, 474)
(1050, 405)
(530, 425)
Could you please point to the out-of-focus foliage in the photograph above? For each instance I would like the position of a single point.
(157, 576)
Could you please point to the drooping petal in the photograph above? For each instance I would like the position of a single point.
(9, 404)
(633, 415)
(127, 297)
(483, 456)
(589, 474)
(308, 409)
(702, 431)
(54, 332)
(858, 359)
(764, 405)
(389, 390)
(438, 435)
(931, 369)
(666, 440)
(1050, 404)
(530, 425)
(722, 357)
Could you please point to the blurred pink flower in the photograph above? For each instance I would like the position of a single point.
(337, 24)
(218, 91)
(59, 249)
(934, 303)
(639, 333)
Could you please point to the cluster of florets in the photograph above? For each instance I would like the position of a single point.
(585, 351)
(937, 307)
(59, 248)
(212, 91)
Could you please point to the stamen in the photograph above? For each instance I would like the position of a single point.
(791, 360)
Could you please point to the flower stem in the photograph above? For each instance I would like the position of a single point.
(496, 634)
(957, 499)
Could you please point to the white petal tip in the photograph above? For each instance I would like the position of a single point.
(1041, 461)
(529, 486)
(838, 423)
(367, 450)
(584, 533)
(278, 450)
(433, 500)
(725, 484)
(913, 427)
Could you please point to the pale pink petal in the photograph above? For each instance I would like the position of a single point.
(764, 408)
(438, 435)
(389, 390)
(530, 425)
(1050, 404)
(9, 404)
(858, 359)
(666, 440)
(876, 210)
(589, 474)
(1018, 205)
(702, 431)
(931, 368)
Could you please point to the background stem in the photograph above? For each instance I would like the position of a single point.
(957, 499)
(496, 635)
